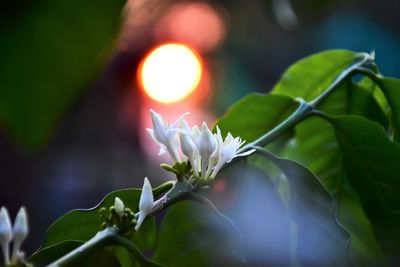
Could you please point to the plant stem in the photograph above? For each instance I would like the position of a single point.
(298, 115)
(366, 59)
(102, 239)
(305, 108)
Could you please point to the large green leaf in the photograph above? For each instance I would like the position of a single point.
(321, 240)
(256, 114)
(49, 54)
(191, 235)
(371, 163)
(81, 225)
(310, 76)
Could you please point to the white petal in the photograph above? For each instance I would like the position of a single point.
(172, 145)
(119, 206)
(140, 220)
(20, 231)
(146, 201)
(159, 127)
(246, 153)
(179, 121)
(206, 145)
(195, 133)
(5, 233)
(163, 149)
(187, 145)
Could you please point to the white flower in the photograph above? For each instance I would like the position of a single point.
(206, 152)
(5, 233)
(119, 206)
(20, 232)
(206, 144)
(226, 151)
(146, 203)
(165, 135)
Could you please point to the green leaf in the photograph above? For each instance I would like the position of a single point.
(315, 146)
(372, 167)
(81, 225)
(52, 52)
(356, 99)
(310, 76)
(321, 240)
(191, 236)
(391, 90)
(255, 115)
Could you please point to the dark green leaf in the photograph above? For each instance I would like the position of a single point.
(81, 225)
(321, 240)
(372, 167)
(310, 76)
(391, 90)
(49, 54)
(190, 235)
(352, 98)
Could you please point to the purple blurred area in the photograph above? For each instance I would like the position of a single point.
(98, 145)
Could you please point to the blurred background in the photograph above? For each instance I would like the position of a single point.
(77, 80)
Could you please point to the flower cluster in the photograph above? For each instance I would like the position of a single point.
(206, 152)
(16, 233)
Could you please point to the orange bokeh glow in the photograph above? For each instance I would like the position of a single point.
(170, 73)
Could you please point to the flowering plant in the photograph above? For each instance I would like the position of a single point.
(323, 146)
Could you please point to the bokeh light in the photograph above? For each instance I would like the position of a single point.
(170, 72)
(198, 24)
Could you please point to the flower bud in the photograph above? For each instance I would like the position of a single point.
(146, 203)
(5, 234)
(165, 135)
(20, 232)
(206, 144)
(119, 206)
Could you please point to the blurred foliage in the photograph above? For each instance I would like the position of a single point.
(49, 55)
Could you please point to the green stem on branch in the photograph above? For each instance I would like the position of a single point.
(102, 239)
(306, 108)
